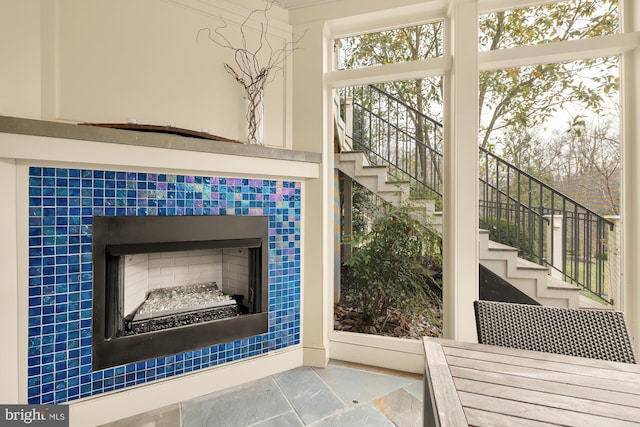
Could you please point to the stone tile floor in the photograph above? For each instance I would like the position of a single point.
(338, 395)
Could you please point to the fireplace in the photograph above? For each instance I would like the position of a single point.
(164, 285)
(64, 356)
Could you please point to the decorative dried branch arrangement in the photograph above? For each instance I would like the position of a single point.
(256, 64)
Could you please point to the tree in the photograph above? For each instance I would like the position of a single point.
(423, 95)
(526, 150)
(523, 97)
(508, 98)
(586, 164)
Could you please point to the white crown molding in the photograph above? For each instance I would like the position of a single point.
(349, 17)
(235, 15)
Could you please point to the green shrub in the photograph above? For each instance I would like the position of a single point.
(394, 266)
(601, 256)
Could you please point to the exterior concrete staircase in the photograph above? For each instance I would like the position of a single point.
(530, 278)
(355, 165)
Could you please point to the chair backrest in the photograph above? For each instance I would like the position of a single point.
(598, 334)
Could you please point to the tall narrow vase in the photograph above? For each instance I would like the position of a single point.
(255, 117)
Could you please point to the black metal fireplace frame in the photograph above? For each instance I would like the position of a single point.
(114, 236)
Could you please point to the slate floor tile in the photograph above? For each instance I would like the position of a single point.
(308, 394)
(237, 407)
(289, 419)
(338, 395)
(361, 415)
(416, 388)
(354, 386)
(401, 407)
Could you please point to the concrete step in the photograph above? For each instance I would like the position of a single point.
(590, 304)
(531, 278)
(495, 246)
(375, 167)
(554, 282)
(528, 265)
(374, 177)
(355, 165)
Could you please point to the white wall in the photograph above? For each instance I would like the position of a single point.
(312, 133)
(136, 278)
(12, 309)
(235, 271)
(168, 269)
(118, 60)
(20, 50)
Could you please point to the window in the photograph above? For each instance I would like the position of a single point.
(392, 46)
(554, 22)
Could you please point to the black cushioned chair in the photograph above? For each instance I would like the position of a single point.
(598, 334)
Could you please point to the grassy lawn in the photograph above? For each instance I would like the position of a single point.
(581, 274)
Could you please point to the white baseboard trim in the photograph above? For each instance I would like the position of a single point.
(316, 357)
(406, 355)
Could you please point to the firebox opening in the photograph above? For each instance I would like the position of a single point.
(163, 289)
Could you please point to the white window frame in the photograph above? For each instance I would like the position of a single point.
(461, 64)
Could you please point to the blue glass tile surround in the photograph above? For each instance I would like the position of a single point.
(62, 203)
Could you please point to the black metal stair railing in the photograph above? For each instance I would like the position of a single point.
(520, 210)
(396, 135)
(517, 208)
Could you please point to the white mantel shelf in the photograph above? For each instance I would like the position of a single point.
(27, 139)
